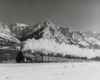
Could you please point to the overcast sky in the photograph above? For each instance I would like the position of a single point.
(83, 15)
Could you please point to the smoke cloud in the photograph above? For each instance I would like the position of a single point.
(50, 46)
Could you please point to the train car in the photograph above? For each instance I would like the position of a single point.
(45, 58)
(39, 58)
(31, 58)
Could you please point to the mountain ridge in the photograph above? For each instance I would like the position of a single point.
(47, 30)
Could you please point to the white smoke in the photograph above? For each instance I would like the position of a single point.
(50, 46)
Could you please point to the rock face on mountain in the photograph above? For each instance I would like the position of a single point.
(98, 36)
(18, 29)
(87, 41)
(4, 27)
(17, 26)
(95, 35)
(7, 40)
(91, 34)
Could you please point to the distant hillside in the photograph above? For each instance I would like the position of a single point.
(7, 39)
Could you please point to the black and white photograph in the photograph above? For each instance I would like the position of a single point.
(49, 39)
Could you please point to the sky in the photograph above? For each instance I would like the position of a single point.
(83, 15)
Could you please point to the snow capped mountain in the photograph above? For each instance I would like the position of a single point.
(45, 30)
(6, 38)
(98, 36)
(17, 26)
(4, 27)
(18, 29)
(91, 34)
(88, 41)
(53, 32)
(8, 41)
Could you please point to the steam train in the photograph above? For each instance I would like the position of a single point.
(28, 57)
(32, 58)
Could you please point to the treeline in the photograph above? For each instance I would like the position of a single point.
(61, 55)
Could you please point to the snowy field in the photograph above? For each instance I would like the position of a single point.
(51, 71)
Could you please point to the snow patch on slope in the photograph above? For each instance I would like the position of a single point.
(9, 37)
(92, 40)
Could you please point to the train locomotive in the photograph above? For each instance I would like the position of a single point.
(29, 57)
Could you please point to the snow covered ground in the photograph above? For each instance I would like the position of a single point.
(51, 71)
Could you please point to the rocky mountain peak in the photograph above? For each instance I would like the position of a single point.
(17, 26)
(91, 33)
(66, 30)
(44, 24)
(4, 27)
